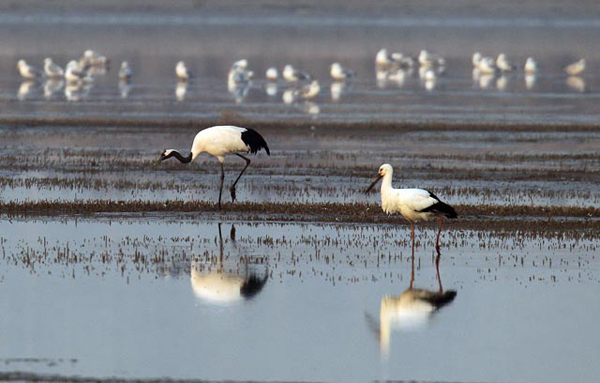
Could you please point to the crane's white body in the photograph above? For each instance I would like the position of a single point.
(219, 141)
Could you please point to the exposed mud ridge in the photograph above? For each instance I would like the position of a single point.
(379, 125)
(471, 216)
(18, 376)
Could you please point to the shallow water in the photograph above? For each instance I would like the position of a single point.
(115, 298)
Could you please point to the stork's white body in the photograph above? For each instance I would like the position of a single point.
(408, 202)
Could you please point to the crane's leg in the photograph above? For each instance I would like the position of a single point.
(221, 184)
(437, 241)
(232, 189)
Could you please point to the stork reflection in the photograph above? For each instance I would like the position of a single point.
(411, 310)
(219, 283)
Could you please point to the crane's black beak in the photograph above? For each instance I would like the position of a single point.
(162, 158)
(373, 184)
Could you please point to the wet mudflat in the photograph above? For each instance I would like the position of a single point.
(162, 297)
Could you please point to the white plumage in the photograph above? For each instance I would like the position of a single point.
(530, 65)
(220, 141)
(292, 74)
(28, 71)
(52, 70)
(125, 72)
(576, 68)
(412, 204)
(182, 72)
(338, 72)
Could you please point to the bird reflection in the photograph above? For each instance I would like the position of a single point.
(411, 310)
(52, 87)
(26, 90)
(181, 90)
(218, 284)
(576, 83)
(124, 87)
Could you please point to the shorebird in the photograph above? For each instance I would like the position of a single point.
(125, 73)
(476, 59)
(530, 65)
(182, 72)
(94, 58)
(429, 59)
(28, 71)
(503, 64)
(292, 74)
(220, 141)
(486, 65)
(73, 74)
(272, 74)
(576, 68)
(305, 93)
(338, 72)
(413, 204)
(52, 70)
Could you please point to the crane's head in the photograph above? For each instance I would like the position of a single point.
(383, 170)
(167, 153)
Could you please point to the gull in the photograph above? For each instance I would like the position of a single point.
(292, 74)
(338, 72)
(530, 65)
(125, 73)
(52, 70)
(429, 59)
(503, 64)
(384, 59)
(73, 74)
(94, 58)
(272, 74)
(486, 65)
(306, 92)
(28, 71)
(182, 72)
(576, 68)
(476, 59)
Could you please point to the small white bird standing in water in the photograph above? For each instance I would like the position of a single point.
(338, 72)
(220, 141)
(28, 71)
(486, 65)
(412, 204)
(52, 70)
(182, 72)
(75, 75)
(530, 65)
(292, 74)
(576, 68)
(272, 74)
(125, 73)
(503, 64)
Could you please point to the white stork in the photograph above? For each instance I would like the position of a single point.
(220, 141)
(412, 204)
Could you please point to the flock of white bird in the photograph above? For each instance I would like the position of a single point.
(78, 75)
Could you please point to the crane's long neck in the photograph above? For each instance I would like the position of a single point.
(181, 158)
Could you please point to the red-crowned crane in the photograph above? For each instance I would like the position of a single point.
(220, 141)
